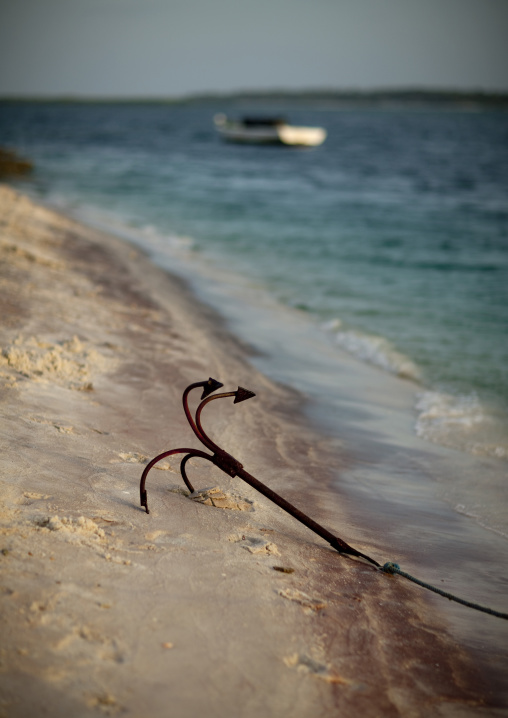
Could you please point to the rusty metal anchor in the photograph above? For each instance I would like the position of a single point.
(232, 467)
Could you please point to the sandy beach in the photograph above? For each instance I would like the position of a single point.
(106, 610)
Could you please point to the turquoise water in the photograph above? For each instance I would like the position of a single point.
(392, 236)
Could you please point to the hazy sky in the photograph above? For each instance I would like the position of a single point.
(175, 47)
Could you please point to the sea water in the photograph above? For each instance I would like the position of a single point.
(388, 242)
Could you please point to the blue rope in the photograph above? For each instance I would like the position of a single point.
(390, 567)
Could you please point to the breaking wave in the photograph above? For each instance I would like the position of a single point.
(460, 422)
(373, 349)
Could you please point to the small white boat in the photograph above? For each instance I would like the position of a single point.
(268, 130)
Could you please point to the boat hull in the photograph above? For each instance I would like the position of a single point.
(264, 134)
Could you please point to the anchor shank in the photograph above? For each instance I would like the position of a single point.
(334, 541)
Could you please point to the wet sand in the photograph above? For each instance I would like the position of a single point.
(108, 610)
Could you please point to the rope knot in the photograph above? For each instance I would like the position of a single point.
(390, 567)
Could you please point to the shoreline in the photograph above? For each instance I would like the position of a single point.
(95, 343)
(396, 97)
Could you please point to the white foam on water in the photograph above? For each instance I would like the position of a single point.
(461, 422)
(374, 350)
(161, 241)
(145, 236)
(477, 513)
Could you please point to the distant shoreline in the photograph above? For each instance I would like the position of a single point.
(394, 98)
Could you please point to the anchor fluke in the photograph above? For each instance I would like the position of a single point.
(242, 395)
(210, 386)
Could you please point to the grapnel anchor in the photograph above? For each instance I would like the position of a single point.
(233, 467)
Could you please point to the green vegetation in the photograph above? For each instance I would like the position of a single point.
(338, 98)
